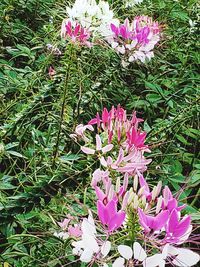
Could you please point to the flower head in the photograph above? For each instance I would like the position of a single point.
(75, 33)
(135, 40)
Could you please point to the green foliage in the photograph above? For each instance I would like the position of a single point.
(35, 191)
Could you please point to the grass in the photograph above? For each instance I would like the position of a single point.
(43, 176)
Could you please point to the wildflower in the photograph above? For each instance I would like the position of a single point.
(177, 228)
(135, 40)
(137, 253)
(99, 147)
(176, 256)
(109, 215)
(93, 16)
(75, 32)
(52, 72)
(169, 202)
(74, 231)
(154, 223)
(89, 246)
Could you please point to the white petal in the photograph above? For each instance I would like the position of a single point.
(125, 251)
(90, 243)
(114, 44)
(165, 251)
(86, 256)
(119, 262)
(88, 227)
(154, 261)
(105, 249)
(139, 252)
(186, 258)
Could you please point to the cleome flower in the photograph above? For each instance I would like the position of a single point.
(93, 16)
(135, 40)
(75, 33)
(89, 247)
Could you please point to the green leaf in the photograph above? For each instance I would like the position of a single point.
(69, 157)
(16, 154)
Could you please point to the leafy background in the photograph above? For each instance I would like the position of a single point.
(37, 190)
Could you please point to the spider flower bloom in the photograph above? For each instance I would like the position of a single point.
(135, 40)
(75, 32)
(109, 215)
(93, 16)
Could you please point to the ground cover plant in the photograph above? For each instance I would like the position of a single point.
(58, 69)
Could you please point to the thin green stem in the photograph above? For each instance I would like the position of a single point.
(55, 152)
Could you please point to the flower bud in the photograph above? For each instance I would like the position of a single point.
(117, 187)
(154, 193)
(135, 183)
(125, 200)
(135, 202)
(159, 186)
(159, 204)
(143, 200)
(141, 191)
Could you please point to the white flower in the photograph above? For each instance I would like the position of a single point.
(180, 257)
(137, 253)
(95, 17)
(88, 246)
(61, 235)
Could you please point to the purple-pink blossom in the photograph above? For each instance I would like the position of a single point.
(109, 215)
(137, 39)
(75, 32)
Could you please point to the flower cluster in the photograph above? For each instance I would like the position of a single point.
(75, 33)
(137, 225)
(133, 40)
(92, 16)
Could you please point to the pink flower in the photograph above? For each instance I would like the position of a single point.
(99, 176)
(109, 215)
(64, 224)
(76, 33)
(177, 228)
(74, 231)
(169, 202)
(52, 72)
(154, 223)
(144, 184)
(99, 147)
(136, 138)
(135, 40)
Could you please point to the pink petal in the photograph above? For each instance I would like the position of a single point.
(143, 220)
(116, 221)
(173, 221)
(182, 227)
(160, 220)
(100, 195)
(107, 148)
(102, 212)
(98, 143)
(87, 150)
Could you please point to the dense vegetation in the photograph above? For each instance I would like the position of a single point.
(43, 175)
